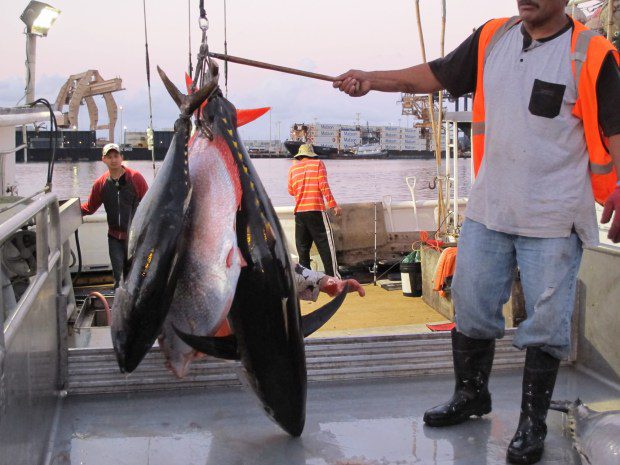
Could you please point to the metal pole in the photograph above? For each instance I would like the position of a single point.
(270, 133)
(121, 125)
(31, 62)
(272, 67)
(610, 17)
(374, 265)
(455, 184)
(448, 168)
(25, 142)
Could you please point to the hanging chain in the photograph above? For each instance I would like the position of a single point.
(202, 64)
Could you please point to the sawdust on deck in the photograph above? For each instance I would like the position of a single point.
(380, 312)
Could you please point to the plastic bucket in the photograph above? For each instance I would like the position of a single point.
(411, 277)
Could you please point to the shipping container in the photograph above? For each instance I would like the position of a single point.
(136, 139)
(325, 127)
(327, 133)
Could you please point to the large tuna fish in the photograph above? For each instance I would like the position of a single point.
(143, 297)
(265, 319)
(209, 271)
(596, 435)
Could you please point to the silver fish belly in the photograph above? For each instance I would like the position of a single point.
(209, 272)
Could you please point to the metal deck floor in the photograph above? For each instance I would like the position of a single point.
(359, 422)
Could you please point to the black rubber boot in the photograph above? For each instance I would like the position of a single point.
(539, 376)
(473, 359)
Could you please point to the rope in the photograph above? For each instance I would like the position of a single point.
(190, 68)
(148, 82)
(435, 125)
(225, 53)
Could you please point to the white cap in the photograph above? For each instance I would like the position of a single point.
(108, 147)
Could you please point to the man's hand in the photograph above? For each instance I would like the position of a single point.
(337, 210)
(354, 83)
(334, 286)
(612, 206)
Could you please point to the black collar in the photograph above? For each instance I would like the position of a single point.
(527, 38)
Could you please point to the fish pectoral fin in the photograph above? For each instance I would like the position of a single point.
(247, 116)
(220, 347)
(313, 321)
(560, 405)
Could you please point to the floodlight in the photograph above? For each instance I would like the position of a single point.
(39, 17)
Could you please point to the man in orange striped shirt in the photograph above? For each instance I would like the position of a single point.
(307, 182)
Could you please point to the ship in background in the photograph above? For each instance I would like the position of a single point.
(358, 141)
(76, 145)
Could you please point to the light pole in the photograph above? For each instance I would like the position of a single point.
(124, 135)
(279, 140)
(38, 18)
(269, 132)
(120, 107)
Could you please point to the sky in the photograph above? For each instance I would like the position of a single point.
(322, 36)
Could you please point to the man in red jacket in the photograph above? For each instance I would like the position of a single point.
(120, 191)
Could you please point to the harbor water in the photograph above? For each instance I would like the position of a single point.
(350, 180)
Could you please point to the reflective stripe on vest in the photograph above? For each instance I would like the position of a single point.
(477, 128)
(501, 31)
(579, 57)
(580, 52)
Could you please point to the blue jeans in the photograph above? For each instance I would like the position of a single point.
(118, 255)
(485, 268)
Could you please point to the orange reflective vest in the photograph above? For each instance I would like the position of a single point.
(588, 52)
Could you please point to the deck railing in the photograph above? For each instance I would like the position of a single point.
(30, 340)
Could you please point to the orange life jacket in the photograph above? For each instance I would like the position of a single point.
(588, 52)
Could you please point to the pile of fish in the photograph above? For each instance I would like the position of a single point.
(596, 435)
(208, 269)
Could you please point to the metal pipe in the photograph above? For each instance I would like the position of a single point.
(456, 176)
(374, 265)
(282, 69)
(25, 141)
(610, 18)
(10, 151)
(25, 199)
(31, 62)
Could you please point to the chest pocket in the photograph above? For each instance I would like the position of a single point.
(546, 99)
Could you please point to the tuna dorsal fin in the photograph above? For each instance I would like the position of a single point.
(220, 347)
(313, 321)
(178, 96)
(187, 104)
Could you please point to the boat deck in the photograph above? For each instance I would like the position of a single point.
(359, 422)
(379, 312)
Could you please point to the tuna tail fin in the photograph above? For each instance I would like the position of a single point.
(313, 321)
(188, 103)
(560, 405)
(220, 347)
